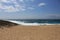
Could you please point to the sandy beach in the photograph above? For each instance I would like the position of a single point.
(50, 32)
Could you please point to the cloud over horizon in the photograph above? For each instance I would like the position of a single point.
(13, 5)
(30, 9)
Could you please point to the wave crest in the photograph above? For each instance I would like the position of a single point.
(32, 24)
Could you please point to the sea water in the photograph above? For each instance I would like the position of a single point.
(36, 21)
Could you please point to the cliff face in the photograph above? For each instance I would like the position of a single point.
(6, 23)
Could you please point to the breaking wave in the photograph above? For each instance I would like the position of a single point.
(30, 24)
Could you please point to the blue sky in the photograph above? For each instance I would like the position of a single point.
(30, 9)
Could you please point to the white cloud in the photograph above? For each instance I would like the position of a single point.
(14, 6)
(11, 8)
(4, 0)
(14, 9)
(41, 4)
(20, 7)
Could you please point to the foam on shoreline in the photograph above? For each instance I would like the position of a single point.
(30, 24)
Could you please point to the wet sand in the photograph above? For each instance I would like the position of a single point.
(50, 32)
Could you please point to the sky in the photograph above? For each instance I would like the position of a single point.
(29, 9)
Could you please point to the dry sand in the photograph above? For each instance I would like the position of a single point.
(31, 33)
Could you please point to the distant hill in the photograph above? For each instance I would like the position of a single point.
(4, 23)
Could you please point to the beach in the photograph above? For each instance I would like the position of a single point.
(20, 32)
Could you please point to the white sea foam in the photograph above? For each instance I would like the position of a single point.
(30, 24)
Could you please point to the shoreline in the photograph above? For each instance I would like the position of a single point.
(11, 23)
(13, 31)
(32, 24)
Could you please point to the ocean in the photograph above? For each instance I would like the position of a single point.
(36, 21)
